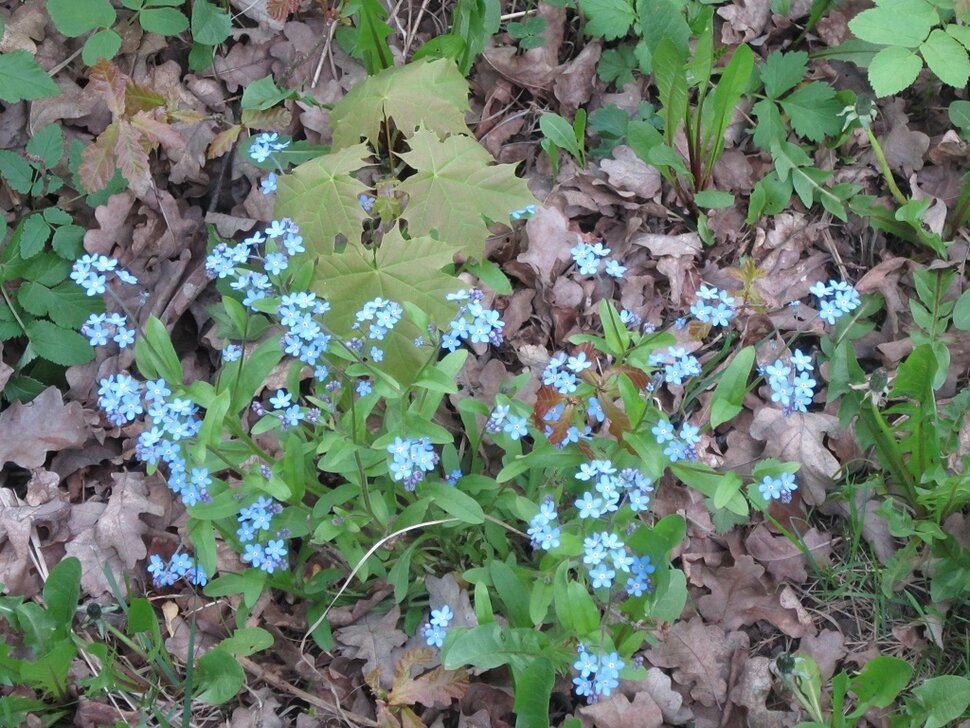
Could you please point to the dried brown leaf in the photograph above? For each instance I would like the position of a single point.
(752, 691)
(550, 240)
(5, 369)
(98, 160)
(433, 689)
(29, 431)
(157, 132)
(275, 119)
(784, 560)
(223, 141)
(827, 648)
(627, 172)
(617, 711)
(373, 641)
(576, 80)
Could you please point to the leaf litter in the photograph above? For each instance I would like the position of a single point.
(708, 667)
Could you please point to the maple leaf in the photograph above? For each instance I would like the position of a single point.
(321, 196)
(400, 270)
(456, 187)
(433, 689)
(432, 94)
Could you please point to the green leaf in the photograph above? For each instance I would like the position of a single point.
(961, 312)
(17, 171)
(893, 69)
(321, 196)
(155, 354)
(74, 18)
(904, 23)
(533, 690)
(658, 20)
(164, 21)
(104, 44)
(959, 112)
(34, 235)
(945, 698)
(671, 80)
(668, 606)
(560, 132)
(770, 129)
(781, 72)
(455, 503)
(61, 346)
(22, 78)
(431, 94)
(881, 681)
(210, 24)
(264, 94)
(219, 676)
(946, 58)
(247, 641)
(814, 111)
(513, 592)
(456, 189)
(490, 645)
(616, 66)
(714, 199)
(48, 144)
(608, 19)
(401, 270)
(66, 303)
(730, 391)
(62, 590)
(68, 241)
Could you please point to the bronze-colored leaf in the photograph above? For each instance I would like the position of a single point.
(98, 160)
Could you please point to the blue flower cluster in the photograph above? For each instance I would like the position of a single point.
(382, 316)
(91, 273)
(544, 527)
(502, 421)
(99, 327)
(610, 487)
(835, 299)
(265, 144)
(630, 319)
(589, 257)
(411, 459)
(178, 567)
(677, 445)
(599, 675)
(779, 488)
(562, 372)
(436, 629)
(713, 306)
(791, 382)
(677, 363)
(473, 323)
(305, 339)
(255, 522)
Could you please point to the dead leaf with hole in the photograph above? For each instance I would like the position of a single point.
(29, 431)
(700, 656)
(374, 641)
(800, 437)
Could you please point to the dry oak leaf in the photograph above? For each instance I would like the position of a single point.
(373, 641)
(700, 656)
(436, 688)
(29, 431)
(752, 692)
(550, 240)
(627, 172)
(783, 559)
(657, 685)
(618, 712)
(800, 437)
(17, 521)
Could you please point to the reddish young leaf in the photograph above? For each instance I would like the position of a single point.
(108, 81)
(223, 141)
(132, 157)
(98, 160)
(157, 132)
(281, 9)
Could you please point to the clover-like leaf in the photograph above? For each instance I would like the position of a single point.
(456, 188)
(321, 196)
(432, 94)
(401, 271)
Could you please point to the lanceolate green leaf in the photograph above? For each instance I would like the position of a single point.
(729, 393)
(321, 196)
(432, 94)
(400, 270)
(456, 188)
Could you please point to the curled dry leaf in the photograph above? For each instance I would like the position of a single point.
(576, 79)
(29, 431)
(17, 521)
(5, 370)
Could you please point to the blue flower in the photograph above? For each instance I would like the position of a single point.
(614, 269)
(364, 387)
(281, 400)
(268, 184)
(231, 352)
(515, 427)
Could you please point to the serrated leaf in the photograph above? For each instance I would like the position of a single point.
(107, 80)
(770, 129)
(223, 141)
(432, 94)
(164, 21)
(131, 157)
(210, 24)
(47, 144)
(321, 196)
(17, 171)
(433, 689)
(456, 188)
(104, 44)
(59, 345)
(903, 23)
(616, 65)
(66, 303)
(33, 236)
(893, 69)
(74, 18)
(23, 79)
(98, 160)
(783, 71)
(946, 58)
(814, 111)
(608, 19)
(400, 270)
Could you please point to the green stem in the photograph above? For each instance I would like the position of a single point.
(884, 166)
